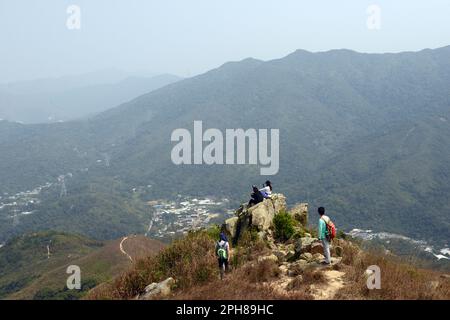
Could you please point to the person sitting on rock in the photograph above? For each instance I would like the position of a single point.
(323, 234)
(256, 197)
(266, 191)
(223, 253)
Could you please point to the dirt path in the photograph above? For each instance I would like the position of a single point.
(122, 250)
(327, 290)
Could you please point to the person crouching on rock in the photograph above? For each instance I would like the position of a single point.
(323, 235)
(223, 253)
(256, 197)
(266, 191)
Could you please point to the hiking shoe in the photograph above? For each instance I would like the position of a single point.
(325, 263)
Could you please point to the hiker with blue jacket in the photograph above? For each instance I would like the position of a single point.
(223, 253)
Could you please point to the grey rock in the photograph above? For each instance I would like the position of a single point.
(161, 289)
(231, 226)
(306, 256)
(300, 213)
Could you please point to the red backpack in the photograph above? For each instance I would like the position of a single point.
(331, 230)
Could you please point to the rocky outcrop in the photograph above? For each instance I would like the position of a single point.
(263, 213)
(231, 225)
(300, 213)
(259, 217)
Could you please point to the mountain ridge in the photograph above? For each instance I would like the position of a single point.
(345, 123)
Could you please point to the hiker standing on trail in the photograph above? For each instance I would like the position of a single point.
(325, 234)
(223, 253)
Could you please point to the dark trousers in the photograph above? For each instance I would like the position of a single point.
(223, 262)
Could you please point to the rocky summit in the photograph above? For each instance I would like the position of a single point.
(274, 254)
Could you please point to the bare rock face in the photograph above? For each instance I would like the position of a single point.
(263, 213)
(231, 226)
(259, 216)
(300, 213)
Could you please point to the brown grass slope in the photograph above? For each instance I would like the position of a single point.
(101, 265)
(192, 263)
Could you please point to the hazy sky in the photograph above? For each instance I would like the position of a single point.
(187, 37)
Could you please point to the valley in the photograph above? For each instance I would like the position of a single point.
(360, 134)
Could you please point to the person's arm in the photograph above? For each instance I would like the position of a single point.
(228, 251)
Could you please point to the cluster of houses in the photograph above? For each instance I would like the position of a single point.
(173, 218)
(21, 203)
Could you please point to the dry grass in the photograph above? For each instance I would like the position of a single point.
(399, 280)
(246, 283)
(305, 278)
(311, 276)
(263, 271)
(191, 261)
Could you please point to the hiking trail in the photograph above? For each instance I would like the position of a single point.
(326, 291)
(122, 250)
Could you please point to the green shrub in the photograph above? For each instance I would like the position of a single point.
(284, 226)
(341, 235)
(214, 232)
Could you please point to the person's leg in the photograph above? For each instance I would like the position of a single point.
(221, 268)
(326, 250)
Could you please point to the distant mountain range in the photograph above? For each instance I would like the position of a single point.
(365, 135)
(69, 98)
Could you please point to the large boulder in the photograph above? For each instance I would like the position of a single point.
(300, 213)
(263, 213)
(304, 244)
(230, 226)
(161, 289)
(259, 216)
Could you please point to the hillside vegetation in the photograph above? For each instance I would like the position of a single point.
(197, 275)
(264, 267)
(364, 134)
(28, 272)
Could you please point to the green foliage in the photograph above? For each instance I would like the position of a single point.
(214, 231)
(341, 235)
(65, 293)
(345, 138)
(284, 226)
(24, 261)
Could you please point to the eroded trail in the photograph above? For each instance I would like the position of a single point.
(326, 291)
